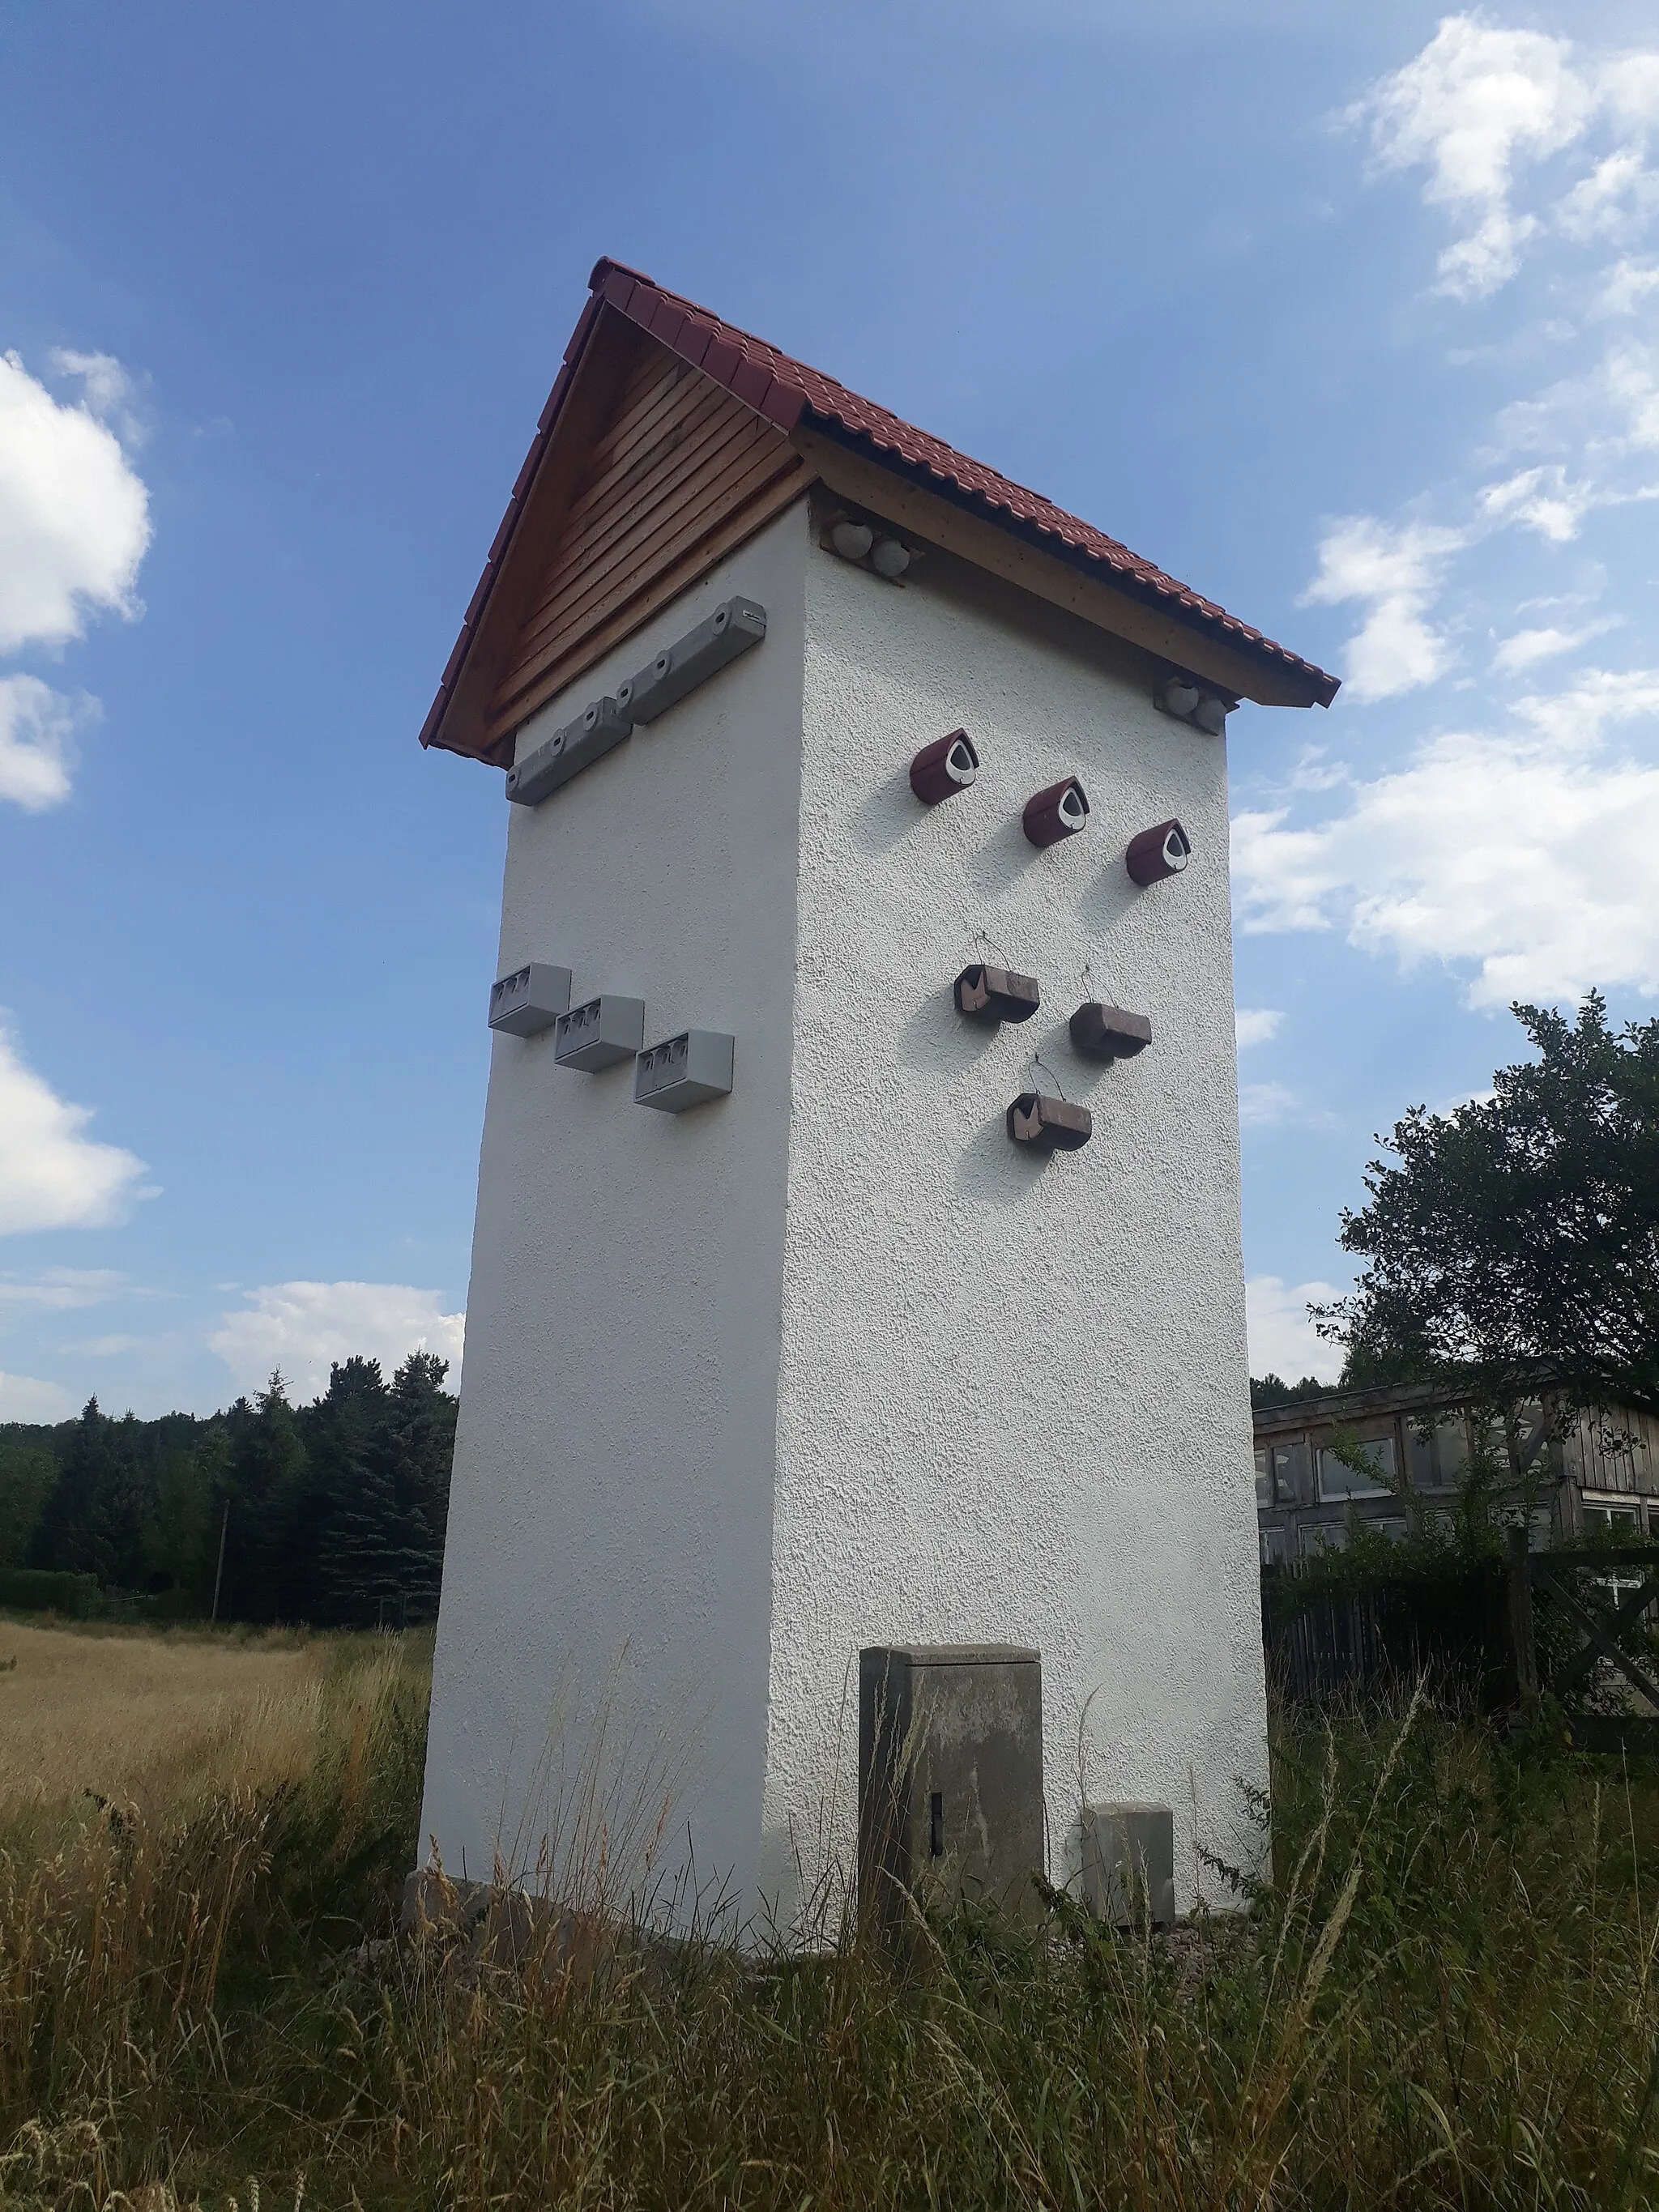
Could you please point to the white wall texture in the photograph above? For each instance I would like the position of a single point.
(611, 1513)
(830, 1363)
(1013, 1396)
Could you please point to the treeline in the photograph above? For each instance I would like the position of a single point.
(332, 1513)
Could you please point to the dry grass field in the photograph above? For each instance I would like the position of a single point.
(153, 1721)
(1449, 1999)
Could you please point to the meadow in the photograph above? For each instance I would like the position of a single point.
(1445, 1997)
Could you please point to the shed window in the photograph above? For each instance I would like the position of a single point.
(1451, 1451)
(1436, 1454)
(1264, 1477)
(1419, 1456)
(1612, 1524)
(1338, 1479)
(1290, 1474)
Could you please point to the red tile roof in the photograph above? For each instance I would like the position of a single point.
(789, 393)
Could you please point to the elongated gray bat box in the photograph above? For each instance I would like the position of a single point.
(683, 1070)
(600, 1033)
(567, 752)
(529, 999)
(734, 626)
(1128, 1864)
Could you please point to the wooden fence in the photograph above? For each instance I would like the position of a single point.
(1564, 1632)
(1330, 1644)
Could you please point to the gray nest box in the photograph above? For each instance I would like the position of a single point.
(600, 1033)
(530, 999)
(735, 625)
(950, 1779)
(688, 1070)
(567, 752)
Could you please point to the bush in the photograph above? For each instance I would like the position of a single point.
(37, 1589)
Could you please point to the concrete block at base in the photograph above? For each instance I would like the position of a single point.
(487, 1929)
(1128, 1864)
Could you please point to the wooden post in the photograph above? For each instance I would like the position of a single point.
(1522, 1645)
(218, 1571)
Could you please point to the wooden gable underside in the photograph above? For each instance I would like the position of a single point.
(677, 472)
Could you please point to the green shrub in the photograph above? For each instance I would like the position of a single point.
(37, 1589)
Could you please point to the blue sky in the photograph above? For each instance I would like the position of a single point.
(1348, 316)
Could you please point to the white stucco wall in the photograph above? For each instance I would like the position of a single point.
(609, 1532)
(1013, 1396)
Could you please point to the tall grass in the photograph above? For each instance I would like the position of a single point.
(1445, 1997)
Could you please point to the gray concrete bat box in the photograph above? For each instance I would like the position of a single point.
(735, 625)
(949, 1778)
(600, 1033)
(529, 999)
(1128, 1864)
(567, 752)
(683, 1070)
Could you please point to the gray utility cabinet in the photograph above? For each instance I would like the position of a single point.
(949, 1778)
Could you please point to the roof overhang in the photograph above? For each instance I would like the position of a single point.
(847, 446)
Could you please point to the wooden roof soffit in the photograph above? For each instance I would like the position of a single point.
(1004, 551)
(516, 649)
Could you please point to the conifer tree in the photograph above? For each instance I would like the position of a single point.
(64, 1537)
(265, 1480)
(348, 1572)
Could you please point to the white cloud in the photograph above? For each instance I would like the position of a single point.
(1527, 648)
(107, 390)
(1267, 1105)
(22, 1398)
(1633, 384)
(1314, 772)
(1276, 1106)
(1525, 855)
(74, 516)
(36, 725)
(1255, 1026)
(1627, 285)
(59, 1290)
(1477, 104)
(1283, 1341)
(52, 1175)
(1395, 573)
(1542, 500)
(300, 1328)
(1618, 197)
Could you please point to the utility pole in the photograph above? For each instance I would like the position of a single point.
(218, 1571)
